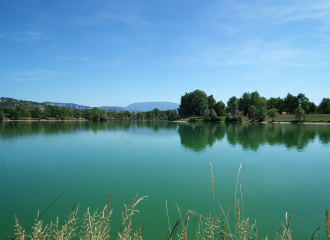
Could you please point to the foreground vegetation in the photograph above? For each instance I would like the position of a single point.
(97, 225)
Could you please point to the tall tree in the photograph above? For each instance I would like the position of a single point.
(232, 105)
(290, 103)
(211, 102)
(244, 103)
(324, 106)
(272, 113)
(220, 108)
(303, 102)
(193, 103)
(299, 113)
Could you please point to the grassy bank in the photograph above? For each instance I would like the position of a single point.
(97, 224)
(312, 118)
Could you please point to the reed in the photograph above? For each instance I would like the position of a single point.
(97, 225)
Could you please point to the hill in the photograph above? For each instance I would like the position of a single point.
(148, 106)
(107, 108)
(135, 107)
(11, 102)
(67, 105)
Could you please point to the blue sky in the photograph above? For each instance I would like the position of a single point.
(114, 53)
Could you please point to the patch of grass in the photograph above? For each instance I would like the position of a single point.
(308, 118)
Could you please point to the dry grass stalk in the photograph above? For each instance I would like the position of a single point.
(127, 224)
(94, 226)
(240, 167)
(327, 222)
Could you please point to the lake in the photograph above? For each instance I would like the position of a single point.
(286, 166)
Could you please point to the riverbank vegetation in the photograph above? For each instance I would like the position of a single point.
(251, 105)
(194, 106)
(97, 224)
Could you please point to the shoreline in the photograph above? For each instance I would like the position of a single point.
(264, 122)
(86, 120)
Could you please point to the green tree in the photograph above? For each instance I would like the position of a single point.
(193, 103)
(299, 113)
(324, 106)
(290, 103)
(2, 115)
(157, 112)
(275, 103)
(261, 114)
(303, 102)
(220, 108)
(252, 112)
(88, 114)
(13, 113)
(312, 107)
(36, 112)
(211, 102)
(232, 105)
(272, 113)
(244, 103)
(213, 114)
(80, 114)
(69, 112)
(206, 113)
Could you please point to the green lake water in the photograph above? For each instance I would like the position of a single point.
(286, 167)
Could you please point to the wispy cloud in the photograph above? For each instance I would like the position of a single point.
(31, 36)
(69, 58)
(30, 75)
(278, 11)
(105, 13)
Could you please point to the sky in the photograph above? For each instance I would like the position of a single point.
(114, 53)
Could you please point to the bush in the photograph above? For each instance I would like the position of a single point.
(206, 113)
(213, 115)
(192, 119)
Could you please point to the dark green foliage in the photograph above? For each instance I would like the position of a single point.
(220, 108)
(261, 114)
(272, 113)
(244, 103)
(213, 115)
(252, 113)
(277, 103)
(324, 106)
(312, 107)
(2, 115)
(303, 102)
(290, 103)
(210, 102)
(232, 105)
(193, 103)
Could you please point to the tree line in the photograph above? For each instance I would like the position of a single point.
(95, 114)
(256, 107)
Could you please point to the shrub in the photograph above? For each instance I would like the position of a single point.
(213, 114)
(192, 119)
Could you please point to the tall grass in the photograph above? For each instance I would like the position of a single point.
(97, 225)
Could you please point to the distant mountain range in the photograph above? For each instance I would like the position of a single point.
(147, 106)
(135, 107)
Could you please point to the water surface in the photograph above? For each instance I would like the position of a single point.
(286, 167)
